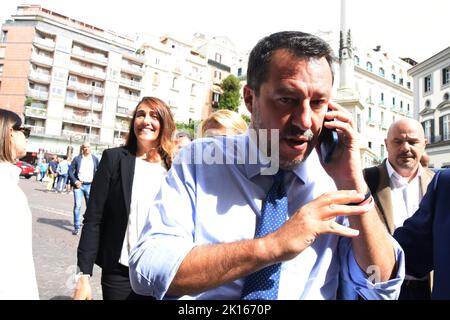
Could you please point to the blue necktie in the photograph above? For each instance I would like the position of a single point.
(263, 284)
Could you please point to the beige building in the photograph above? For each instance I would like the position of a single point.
(432, 105)
(78, 82)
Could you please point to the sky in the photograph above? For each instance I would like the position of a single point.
(405, 28)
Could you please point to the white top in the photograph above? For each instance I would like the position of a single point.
(17, 274)
(147, 181)
(405, 196)
(86, 173)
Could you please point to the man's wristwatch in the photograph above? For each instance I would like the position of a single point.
(80, 275)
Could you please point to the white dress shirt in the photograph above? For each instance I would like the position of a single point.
(17, 273)
(219, 203)
(405, 196)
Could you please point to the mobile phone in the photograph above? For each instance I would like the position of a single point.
(328, 141)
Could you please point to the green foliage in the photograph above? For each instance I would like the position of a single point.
(246, 118)
(230, 98)
(190, 127)
(28, 101)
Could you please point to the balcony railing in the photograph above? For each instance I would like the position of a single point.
(44, 42)
(37, 130)
(88, 71)
(91, 56)
(37, 94)
(132, 83)
(132, 68)
(38, 58)
(86, 88)
(122, 126)
(124, 111)
(35, 112)
(78, 136)
(85, 120)
(119, 141)
(38, 76)
(129, 97)
(85, 104)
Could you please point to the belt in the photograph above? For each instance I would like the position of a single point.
(86, 183)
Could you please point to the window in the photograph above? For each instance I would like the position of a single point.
(4, 36)
(218, 58)
(357, 60)
(401, 105)
(408, 85)
(193, 90)
(239, 72)
(427, 84)
(358, 123)
(382, 98)
(400, 81)
(393, 102)
(446, 76)
(393, 78)
(381, 72)
(217, 75)
(156, 78)
(174, 83)
(382, 152)
(157, 61)
(369, 66)
(382, 118)
(445, 125)
(370, 113)
(1, 69)
(428, 127)
(370, 145)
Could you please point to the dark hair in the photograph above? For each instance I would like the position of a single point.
(167, 127)
(8, 120)
(182, 134)
(298, 43)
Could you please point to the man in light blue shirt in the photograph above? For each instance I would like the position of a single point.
(199, 239)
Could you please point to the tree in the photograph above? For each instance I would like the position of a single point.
(190, 127)
(230, 98)
(28, 101)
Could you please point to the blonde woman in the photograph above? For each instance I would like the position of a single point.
(17, 273)
(222, 123)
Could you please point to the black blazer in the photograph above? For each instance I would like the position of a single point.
(106, 218)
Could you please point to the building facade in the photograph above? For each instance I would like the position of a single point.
(73, 81)
(432, 105)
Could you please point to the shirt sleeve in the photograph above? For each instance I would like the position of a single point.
(168, 234)
(355, 280)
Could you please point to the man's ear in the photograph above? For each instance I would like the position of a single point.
(248, 98)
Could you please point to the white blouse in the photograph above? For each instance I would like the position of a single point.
(17, 273)
(147, 181)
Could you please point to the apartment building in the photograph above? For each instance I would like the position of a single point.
(77, 82)
(432, 105)
(384, 92)
(176, 73)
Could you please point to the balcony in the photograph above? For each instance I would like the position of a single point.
(133, 69)
(84, 104)
(37, 94)
(91, 57)
(219, 65)
(37, 131)
(131, 83)
(129, 97)
(119, 126)
(135, 56)
(119, 141)
(87, 71)
(41, 59)
(81, 137)
(36, 112)
(383, 126)
(83, 120)
(78, 86)
(40, 77)
(44, 43)
(124, 112)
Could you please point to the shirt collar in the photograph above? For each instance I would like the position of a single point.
(394, 175)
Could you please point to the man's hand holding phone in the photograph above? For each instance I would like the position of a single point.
(340, 155)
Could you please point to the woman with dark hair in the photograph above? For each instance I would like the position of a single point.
(17, 274)
(124, 186)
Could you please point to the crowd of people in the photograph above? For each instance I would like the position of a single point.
(247, 212)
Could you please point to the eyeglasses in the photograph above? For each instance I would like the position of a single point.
(25, 131)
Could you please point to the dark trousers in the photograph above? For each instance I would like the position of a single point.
(116, 285)
(415, 290)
